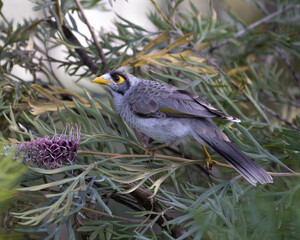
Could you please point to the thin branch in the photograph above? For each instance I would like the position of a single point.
(4, 18)
(215, 163)
(84, 208)
(275, 174)
(279, 117)
(265, 19)
(125, 201)
(58, 12)
(51, 71)
(82, 53)
(111, 216)
(257, 23)
(144, 199)
(163, 15)
(287, 62)
(97, 43)
(117, 155)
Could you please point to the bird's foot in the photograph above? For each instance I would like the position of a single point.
(208, 160)
(151, 151)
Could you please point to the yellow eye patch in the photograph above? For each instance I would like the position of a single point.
(120, 79)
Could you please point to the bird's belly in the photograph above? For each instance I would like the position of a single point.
(163, 130)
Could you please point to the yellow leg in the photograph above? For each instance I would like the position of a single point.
(152, 151)
(207, 158)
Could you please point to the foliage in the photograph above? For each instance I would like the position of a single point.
(11, 171)
(114, 189)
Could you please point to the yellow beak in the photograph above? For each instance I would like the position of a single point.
(101, 80)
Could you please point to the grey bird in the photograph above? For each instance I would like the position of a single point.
(170, 115)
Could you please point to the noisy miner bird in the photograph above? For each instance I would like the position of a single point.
(170, 115)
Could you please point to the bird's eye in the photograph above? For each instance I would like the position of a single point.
(119, 79)
(116, 78)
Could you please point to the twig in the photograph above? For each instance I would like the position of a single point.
(125, 201)
(275, 174)
(265, 19)
(50, 70)
(215, 163)
(144, 199)
(287, 62)
(82, 54)
(117, 155)
(84, 208)
(163, 15)
(112, 216)
(98, 46)
(257, 23)
(58, 12)
(279, 117)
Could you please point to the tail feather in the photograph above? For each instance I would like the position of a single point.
(238, 160)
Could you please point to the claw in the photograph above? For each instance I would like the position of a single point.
(151, 151)
(208, 162)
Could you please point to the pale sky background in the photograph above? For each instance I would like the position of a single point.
(133, 10)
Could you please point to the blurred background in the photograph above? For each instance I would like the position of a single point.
(132, 10)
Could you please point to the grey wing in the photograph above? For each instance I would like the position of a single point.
(152, 99)
(197, 106)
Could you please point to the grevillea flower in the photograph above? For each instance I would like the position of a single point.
(52, 152)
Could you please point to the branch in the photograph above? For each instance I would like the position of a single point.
(58, 12)
(82, 54)
(35, 196)
(257, 23)
(121, 198)
(279, 117)
(98, 46)
(144, 199)
(163, 15)
(171, 158)
(117, 155)
(111, 216)
(288, 63)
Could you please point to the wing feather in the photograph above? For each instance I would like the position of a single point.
(149, 97)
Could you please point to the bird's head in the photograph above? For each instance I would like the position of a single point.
(117, 81)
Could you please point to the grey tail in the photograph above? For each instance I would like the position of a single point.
(238, 160)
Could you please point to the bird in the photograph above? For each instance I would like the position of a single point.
(170, 115)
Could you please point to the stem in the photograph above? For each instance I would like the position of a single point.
(111, 216)
(98, 46)
(117, 155)
(279, 117)
(58, 12)
(84, 208)
(82, 53)
(144, 199)
(163, 15)
(257, 23)
(288, 63)
(275, 174)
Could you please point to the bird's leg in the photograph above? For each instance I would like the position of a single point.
(208, 161)
(152, 151)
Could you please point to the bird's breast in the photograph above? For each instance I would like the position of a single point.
(166, 130)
